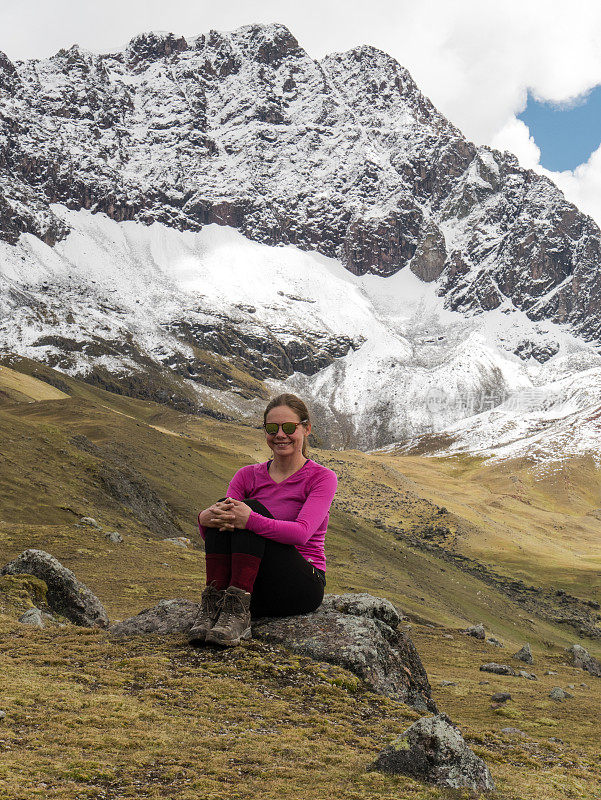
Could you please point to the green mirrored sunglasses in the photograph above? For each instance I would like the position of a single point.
(287, 427)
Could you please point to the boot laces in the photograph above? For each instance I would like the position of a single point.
(233, 606)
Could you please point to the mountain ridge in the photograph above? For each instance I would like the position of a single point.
(342, 158)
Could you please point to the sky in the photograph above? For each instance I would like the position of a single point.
(518, 75)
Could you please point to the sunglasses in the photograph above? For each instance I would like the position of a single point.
(287, 427)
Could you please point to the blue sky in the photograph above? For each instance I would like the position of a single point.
(566, 134)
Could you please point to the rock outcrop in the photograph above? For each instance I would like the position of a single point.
(582, 658)
(433, 750)
(355, 631)
(66, 595)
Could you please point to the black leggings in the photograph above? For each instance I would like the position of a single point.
(286, 583)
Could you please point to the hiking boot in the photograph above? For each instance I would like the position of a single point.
(234, 621)
(210, 608)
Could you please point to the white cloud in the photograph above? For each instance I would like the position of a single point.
(582, 186)
(515, 137)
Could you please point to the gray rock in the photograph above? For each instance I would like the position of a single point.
(501, 697)
(168, 616)
(447, 683)
(494, 641)
(66, 595)
(550, 672)
(2, 714)
(433, 750)
(176, 541)
(498, 669)
(360, 633)
(355, 631)
(584, 660)
(530, 676)
(513, 731)
(33, 616)
(91, 522)
(477, 631)
(557, 693)
(524, 654)
(114, 537)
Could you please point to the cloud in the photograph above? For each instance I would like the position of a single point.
(515, 137)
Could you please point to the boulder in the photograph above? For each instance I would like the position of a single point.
(168, 616)
(477, 631)
(530, 676)
(66, 595)
(355, 631)
(557, 693)
(584, 660)
(498, 669)
(433, 750)
(524, 654)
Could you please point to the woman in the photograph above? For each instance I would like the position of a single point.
(264, 542)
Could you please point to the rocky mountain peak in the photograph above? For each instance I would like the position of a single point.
(343, 157)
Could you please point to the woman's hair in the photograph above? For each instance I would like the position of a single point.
(296, 404)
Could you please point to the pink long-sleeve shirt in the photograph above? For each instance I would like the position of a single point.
(300, 505)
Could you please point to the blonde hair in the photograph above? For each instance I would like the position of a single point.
(295, 404)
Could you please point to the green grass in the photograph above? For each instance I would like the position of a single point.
(90, 716)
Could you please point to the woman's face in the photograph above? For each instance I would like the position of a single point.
(284, 444)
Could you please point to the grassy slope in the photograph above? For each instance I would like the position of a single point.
(153, 719)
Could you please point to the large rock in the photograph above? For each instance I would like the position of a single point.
(355, 631)
(66, 595)
(360, 633)
(168, 616)
(525, 654)
(433, 750)
(583, 659)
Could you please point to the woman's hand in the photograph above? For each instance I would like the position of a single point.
(217, 516)
(238, 511)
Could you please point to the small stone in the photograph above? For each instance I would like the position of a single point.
(501, 697)
(550, 672)
(498, 669)
(483, 683)
(492, 640)
(477, 631)
(33, 616)
(584, 685)
(557, 693)
(178, 541)
(2, 714)
(513, 731)
(114, 536)
(524, 654)
(447, 683)
(571, 686)
(91, 522)
(530, 676)
(448, 636)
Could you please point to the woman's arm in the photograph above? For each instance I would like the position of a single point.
(309, 518)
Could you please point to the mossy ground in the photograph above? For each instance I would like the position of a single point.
(91, 716)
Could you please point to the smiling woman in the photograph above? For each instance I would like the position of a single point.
(264, 542)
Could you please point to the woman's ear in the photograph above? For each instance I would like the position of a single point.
(307, 428)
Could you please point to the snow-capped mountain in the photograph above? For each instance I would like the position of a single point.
(400, 276)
